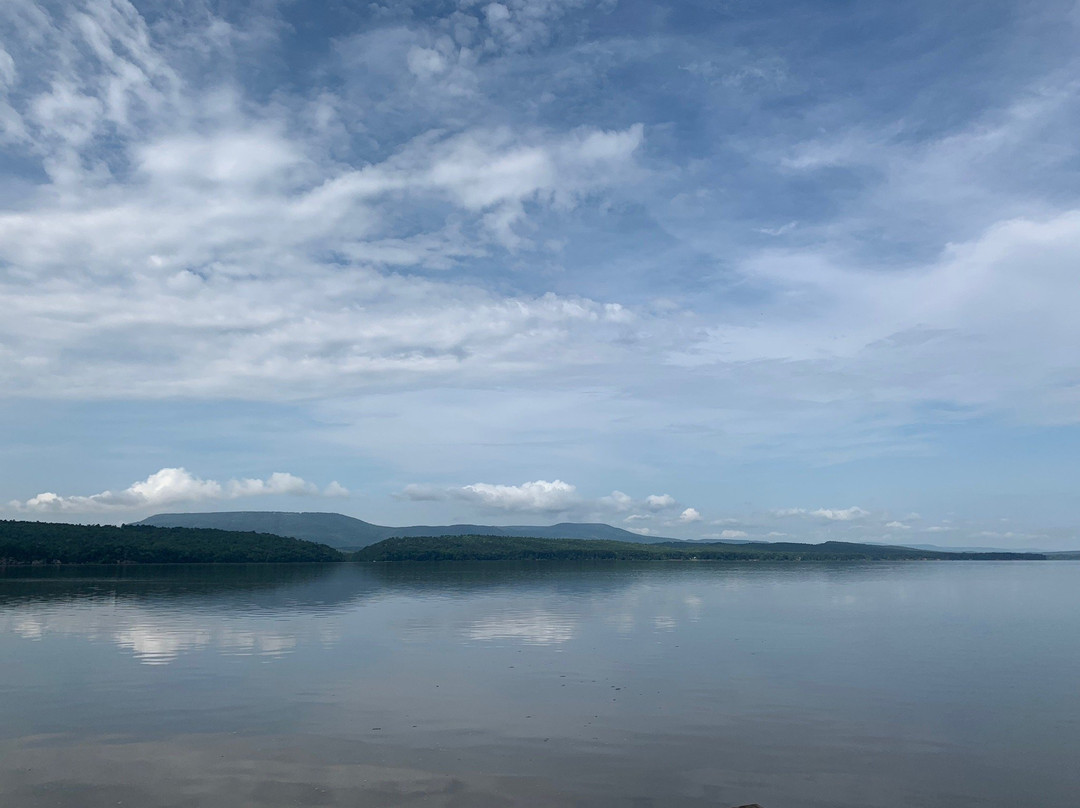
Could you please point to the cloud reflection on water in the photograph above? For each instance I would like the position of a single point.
(536, 627)
(158, 638)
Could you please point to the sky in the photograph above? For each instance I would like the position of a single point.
(769, 270)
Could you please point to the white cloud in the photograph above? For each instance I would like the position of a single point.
(840, 514)
(537, 496)
(276, 483)
(897, 526)
(689, 515)
(733, 534)
(7, 69)
(516, 25)
(237, 257)
(619, 502)
(425, 62)
(965, 328)
(335, 489)
(830, 514)
(236, 159)
(171, 486)
(543, 496)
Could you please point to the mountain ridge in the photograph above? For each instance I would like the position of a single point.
(349, 533)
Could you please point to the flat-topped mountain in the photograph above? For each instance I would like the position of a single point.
(348, 533)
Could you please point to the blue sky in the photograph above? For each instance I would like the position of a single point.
(796, 270)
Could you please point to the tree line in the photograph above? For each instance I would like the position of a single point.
(511, 548)
(49, 543)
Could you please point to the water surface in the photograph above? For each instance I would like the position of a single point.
(665, 684)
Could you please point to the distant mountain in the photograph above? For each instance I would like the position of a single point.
(333, 529)
(348, 533)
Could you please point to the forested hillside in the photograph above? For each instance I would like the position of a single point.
(46, 542)
(505, 548)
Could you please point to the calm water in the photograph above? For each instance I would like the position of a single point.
(920, 684)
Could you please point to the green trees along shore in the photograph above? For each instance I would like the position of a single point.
(45, 543)
(23, 543)
(506, 548)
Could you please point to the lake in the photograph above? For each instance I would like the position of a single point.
(595, 684)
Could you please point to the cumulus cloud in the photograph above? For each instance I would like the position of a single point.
(897, 526)
(733, 534)
(689, 515)
(171, 486)
(536, 496)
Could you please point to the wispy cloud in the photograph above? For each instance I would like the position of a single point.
(232, 252)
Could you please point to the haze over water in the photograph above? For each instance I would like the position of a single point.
(849, 686)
